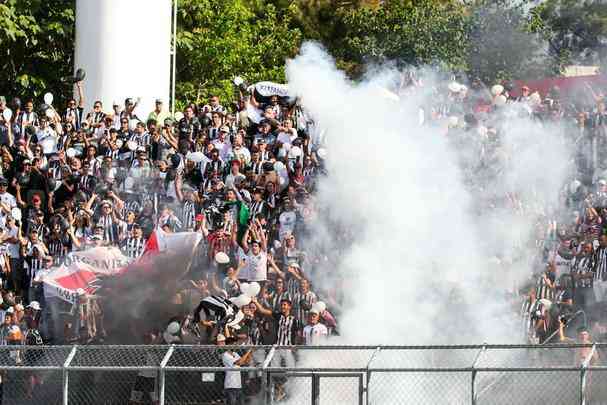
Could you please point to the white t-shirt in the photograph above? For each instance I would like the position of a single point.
(315, 334)
(257, 266)
(232, 379)
(562, 265)
(13, 248)
(287, 223)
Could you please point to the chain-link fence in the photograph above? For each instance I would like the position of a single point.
(195, 375)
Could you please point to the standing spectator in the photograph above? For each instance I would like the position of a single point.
(233, 378)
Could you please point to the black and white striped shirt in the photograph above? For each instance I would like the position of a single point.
(302, 304)
(258, 207)
(286, 329)
(57, 248)
(32, 265)
(110, 229)
(188, 214)
(543, 290)
(275, 300)
(600, 265)
(582, 265)
(133, 247)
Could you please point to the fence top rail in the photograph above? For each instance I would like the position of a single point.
(320, 347)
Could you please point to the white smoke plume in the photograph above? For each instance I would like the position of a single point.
(417, 270)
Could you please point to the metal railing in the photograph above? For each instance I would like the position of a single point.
(487, 374)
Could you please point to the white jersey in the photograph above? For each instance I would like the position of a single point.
(563, 266)
(315, 334)
(232, 378)
(257, 267)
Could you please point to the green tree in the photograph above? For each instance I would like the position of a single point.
(501, 44)
(575, 30)
(406, 32)
(218, 39)
(36, 46)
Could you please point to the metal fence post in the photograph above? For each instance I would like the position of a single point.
(473, 376)
(267, 383)
(368, 376)
(583, 372)
(315, 389)
(161, 384)
(65, 376)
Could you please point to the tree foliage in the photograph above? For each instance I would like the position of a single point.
(575, 30)
(36, 46)
(501, 44)
(219, 39)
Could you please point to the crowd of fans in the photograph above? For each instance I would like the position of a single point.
(244, 177)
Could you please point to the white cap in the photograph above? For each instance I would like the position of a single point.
(35, 305)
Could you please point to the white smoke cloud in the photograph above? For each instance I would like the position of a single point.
(417, 270)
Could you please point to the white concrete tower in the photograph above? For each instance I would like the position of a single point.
(125, 48)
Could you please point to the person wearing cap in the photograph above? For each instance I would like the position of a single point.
(222, 143)
(160, 113)
(265, 133)
(233, 378)
(314, 333)
(525, 93)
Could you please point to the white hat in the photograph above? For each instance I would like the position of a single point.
(222, 258)
(35, 305)
(454, 87)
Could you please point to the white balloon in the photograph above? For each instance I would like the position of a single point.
(48, 144)
(195, 157)
(254, 289)
(132, 145)
(7, 114)
(244, 288)
(535, 98)
(241, 300)
(16, 214)
(238, 81)
(454, 87)
(497, 89)
(321, 306)
(178, 116)
(279, 166)
(48, 98)
(295, 152)
(71, 152)
(500, 100)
